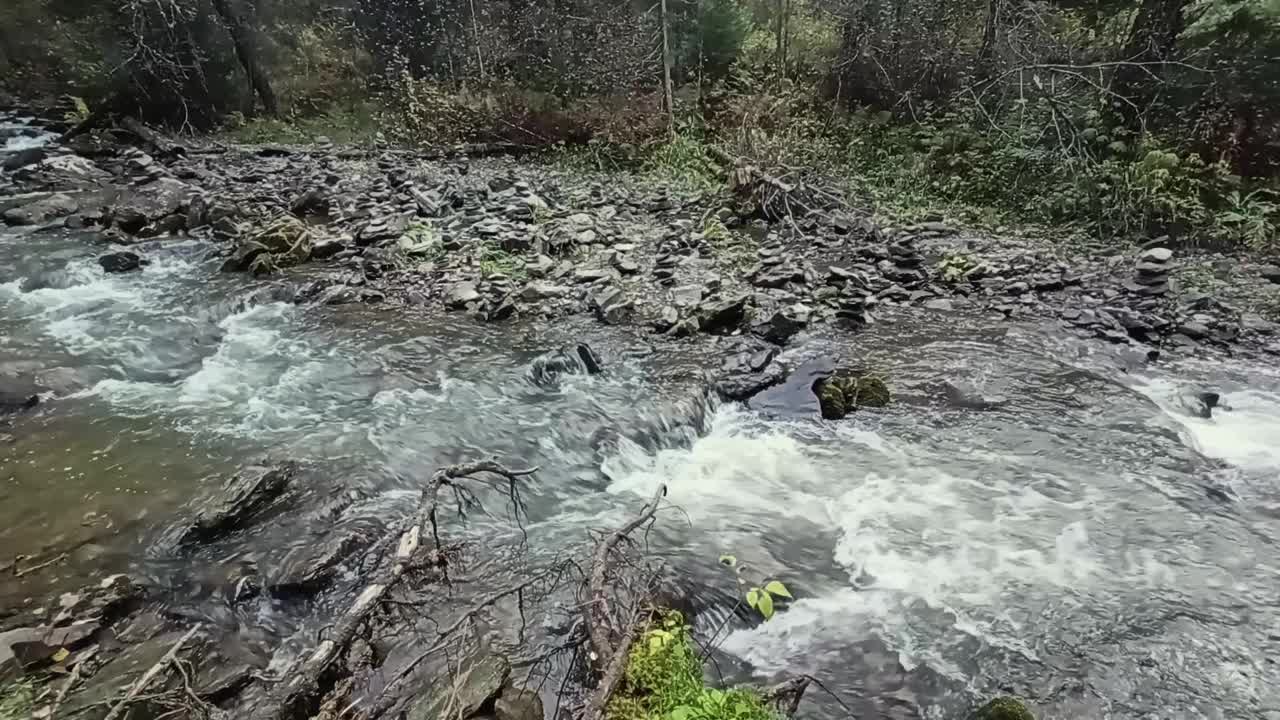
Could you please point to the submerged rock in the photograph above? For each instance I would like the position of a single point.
(42, 210)
(1003, 708)
(477, 683)
(518, 704)
(750, 369)
(241, 497)
(578, 359)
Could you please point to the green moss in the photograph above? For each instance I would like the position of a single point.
(1003, 708)
(663, 681)
(844, 392)
(16, 699)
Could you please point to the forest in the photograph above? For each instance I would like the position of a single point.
(1124, 118)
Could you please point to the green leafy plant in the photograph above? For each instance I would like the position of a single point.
(16, 699)
(663, 681)
(1252, 217)
(761, 598)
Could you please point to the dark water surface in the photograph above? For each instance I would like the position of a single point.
(1086, 542)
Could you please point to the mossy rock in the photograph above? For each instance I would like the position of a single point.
(843, 393)
(286, 237)
(1003, 708)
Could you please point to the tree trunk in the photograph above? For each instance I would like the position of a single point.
(779, 40)
(990, 34)
(667, 99)
(246, 53)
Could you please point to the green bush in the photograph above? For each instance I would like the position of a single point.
(663, 681)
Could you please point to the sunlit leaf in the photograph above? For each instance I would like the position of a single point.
(61, 655)
(728, 560)
(766, 605)
(775, 587)
(753, 597)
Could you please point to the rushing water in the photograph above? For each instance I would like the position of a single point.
(1086, 543)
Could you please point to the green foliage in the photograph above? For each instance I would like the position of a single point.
(1253, 218)
(356, 125)
(663, 681)
(761, 598)
(16, 699)
(683, 160)
(494, 261)
(1003, 708)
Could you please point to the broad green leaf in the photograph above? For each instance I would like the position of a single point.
(684, 712)
(655, 644)
(766, 605)
(753, 597)
(775, 587)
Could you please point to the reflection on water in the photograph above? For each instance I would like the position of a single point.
(1073, 545)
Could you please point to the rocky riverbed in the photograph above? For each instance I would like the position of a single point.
(244, 360)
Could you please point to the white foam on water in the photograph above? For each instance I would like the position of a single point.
(1246, 433)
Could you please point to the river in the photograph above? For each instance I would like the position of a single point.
(1086, 542)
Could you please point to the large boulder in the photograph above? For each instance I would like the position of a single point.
(287, 238)
(722, 315)
(63, 172)
(151, 203)
(845, 392)
(120, 262)
(42, 210)
(749, 368)
(478, 682)
(242, 497)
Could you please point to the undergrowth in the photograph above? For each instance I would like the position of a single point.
(663, 681)
(16, 699)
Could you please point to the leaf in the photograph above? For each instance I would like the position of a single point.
(61, 655)
(684, 712)
(655, 645)
(753, 597)
(728, 560)
(777, 588)
(766, 605)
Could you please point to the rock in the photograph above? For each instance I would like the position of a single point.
(150, 203)
(325, 249)
(1002, 708)
(748, 370)
(479, 680)
(845, 392)
(1194, 330)
(536, 290)
(722, 315)
(24, 649)
(242, 496)
(120, 262)
(287, 237)
(17, 397)
(243, 257)
(783, 324)
(578, 359)
(1271, 273)
(311, 566)
(1157, 255)
(518, 704)
(23, 158)
(42, 210)
(1201, 404)
(462, 294)
(941, 304)
(612, 306)
(966, 395)
(312, 203)
(64, 172)
(794, 398)
(667, 318)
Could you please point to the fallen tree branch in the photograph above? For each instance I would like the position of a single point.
(613, 674)
(600, 626)
(150, 675)
(303, 680)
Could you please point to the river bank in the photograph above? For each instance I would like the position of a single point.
(418, 331)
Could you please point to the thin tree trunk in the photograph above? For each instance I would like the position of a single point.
(990, 34)
(246, 52)
(475, 31)
(779, 49)
(667, 99)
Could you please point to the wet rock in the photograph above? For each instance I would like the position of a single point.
(749, 369)
(536, 290)
(940, 304)
(42, 210)
(325, 249)
(479, 680)
(16, 397)
(150, 203)
(518, 704)
(1200, 404)
(63, 172)
(120, 262)
(1002, 708)
(242, 497)
(103, 687)
(313, 565)
(795, 398)
(1270, 273)
(844, 392)
(312, 203)
(243, 256)
(24, 649)
(578, 359)
(783, 324)
(722, 315)
(667, 318)
(462, 294)
(612, 306)
(966, 395)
